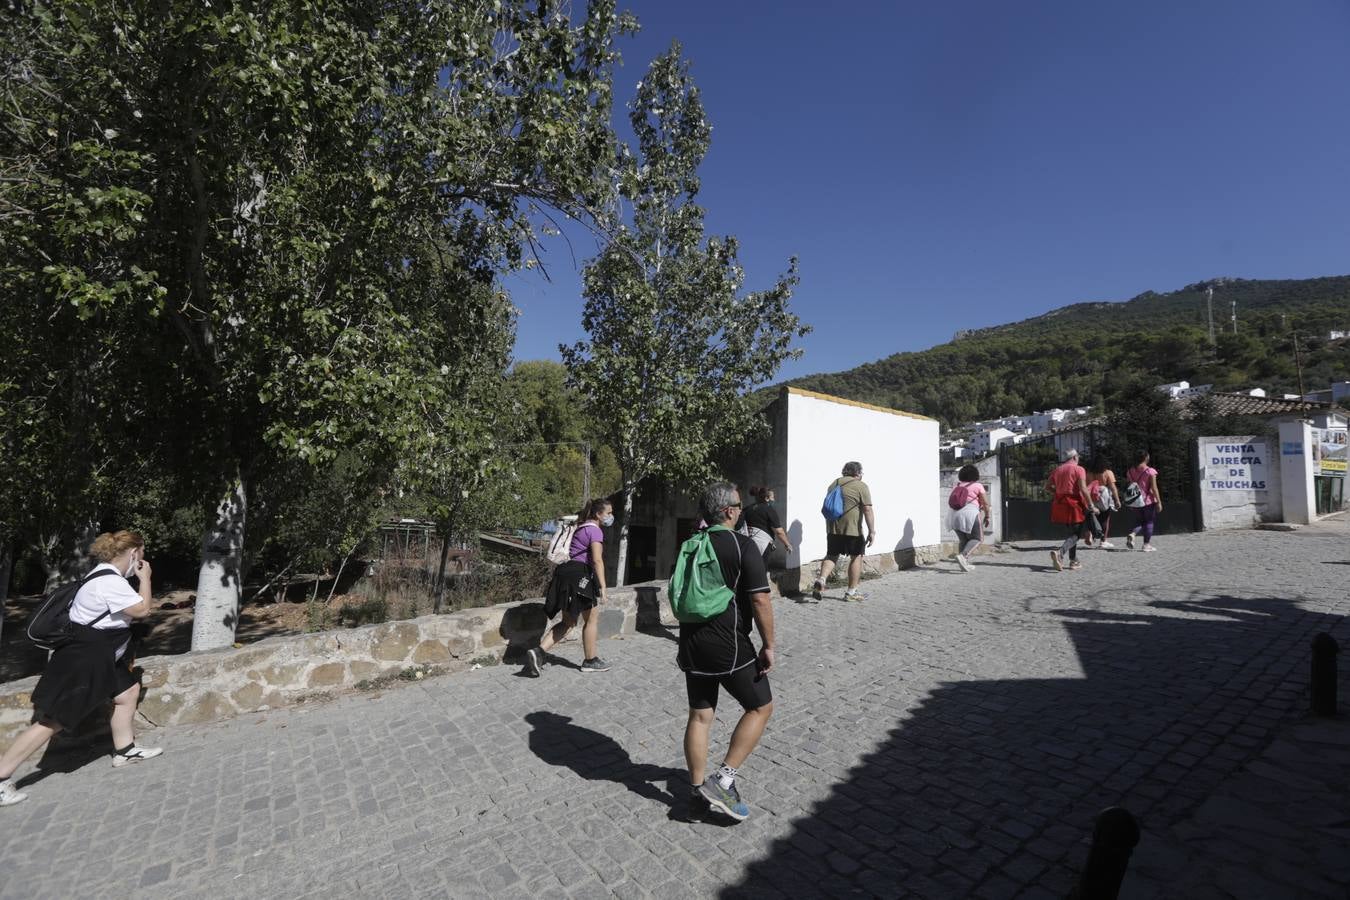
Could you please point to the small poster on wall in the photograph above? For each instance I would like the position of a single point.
(1329, 452)
(1234, 466)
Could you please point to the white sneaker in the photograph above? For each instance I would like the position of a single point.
(135, 755)
(9, 794)
(1107, 545)
(854, 596)
(1129, 541)
(963, 562)
(1149, 548)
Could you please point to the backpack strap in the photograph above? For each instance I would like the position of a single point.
(739, 556)
(88, 578)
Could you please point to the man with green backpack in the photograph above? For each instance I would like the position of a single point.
(718, 588)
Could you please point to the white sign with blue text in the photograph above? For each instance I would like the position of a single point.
(1234, 466)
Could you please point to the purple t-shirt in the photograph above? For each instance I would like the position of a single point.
(580, 550)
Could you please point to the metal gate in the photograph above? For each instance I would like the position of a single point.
(1024, 468)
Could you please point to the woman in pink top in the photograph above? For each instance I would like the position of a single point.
(1146, 477)
(967, 501)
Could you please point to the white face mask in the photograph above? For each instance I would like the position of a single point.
(607, 520)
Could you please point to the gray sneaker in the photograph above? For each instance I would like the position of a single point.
(9, 794)
(534, 662)
(725, 800)
(595, 665)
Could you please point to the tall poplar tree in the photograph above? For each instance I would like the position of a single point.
(674, 343)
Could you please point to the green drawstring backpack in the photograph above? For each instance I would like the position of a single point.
(697, 590)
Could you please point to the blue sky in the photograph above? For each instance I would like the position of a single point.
(938, 166)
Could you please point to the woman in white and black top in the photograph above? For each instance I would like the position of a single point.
(90, 670)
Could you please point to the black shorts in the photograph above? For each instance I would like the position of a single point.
(845, 545)
(746, 686)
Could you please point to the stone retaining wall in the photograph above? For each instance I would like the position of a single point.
(212, 685)
(281, 671)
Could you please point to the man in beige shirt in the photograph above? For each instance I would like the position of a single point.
(845, 535)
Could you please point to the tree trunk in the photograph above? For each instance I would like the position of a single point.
(440, 572)
(219, 582)
(77, 561)
(621, 569)
(49, 559)
(6, 564)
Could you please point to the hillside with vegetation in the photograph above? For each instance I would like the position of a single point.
(1079, 354)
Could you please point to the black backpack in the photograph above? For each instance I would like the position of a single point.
(50, 628)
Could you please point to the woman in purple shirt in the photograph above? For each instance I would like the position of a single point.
(576, 590)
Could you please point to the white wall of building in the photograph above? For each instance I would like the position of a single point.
(899, 456)
(985, 441)
(989, 478)
(1296, 473)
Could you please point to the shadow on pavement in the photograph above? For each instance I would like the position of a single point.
(598, 757)
(988, 788)
(69, 751)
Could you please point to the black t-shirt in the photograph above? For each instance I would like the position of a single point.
(762, 516)
(722, 645)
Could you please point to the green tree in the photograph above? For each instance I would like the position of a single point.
(674, 344)
(284, 221)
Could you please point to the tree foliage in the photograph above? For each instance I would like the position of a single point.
(674, 342)
(255, 246)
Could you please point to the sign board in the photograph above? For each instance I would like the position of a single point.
(1235, 466)
(1291, 448)
(1329, 452)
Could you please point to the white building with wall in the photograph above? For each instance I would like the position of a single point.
(988, 440)
(811, 437)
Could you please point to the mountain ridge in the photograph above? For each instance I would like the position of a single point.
(1073, 355)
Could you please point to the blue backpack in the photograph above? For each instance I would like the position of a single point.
(833, 507)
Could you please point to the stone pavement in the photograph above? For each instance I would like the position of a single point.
(952, 736)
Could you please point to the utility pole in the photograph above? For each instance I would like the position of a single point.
(1298, 364)
(1209, 304)
(1234, 308)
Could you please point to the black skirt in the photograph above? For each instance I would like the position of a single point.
(571, 590)
(82, 676)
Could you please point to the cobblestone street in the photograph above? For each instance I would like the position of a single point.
(952, 736)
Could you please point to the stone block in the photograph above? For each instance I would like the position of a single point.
(20, 699)
(283, 676)
(611, 621)
(431, 652)
(199, 669)
(160, 706)
(393, 641)
(154, 676)
(208, 706)
(491, 637)
(362, 669)
(327, 675)
(248, 658)
(250, 696)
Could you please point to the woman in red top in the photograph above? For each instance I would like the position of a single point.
(1068, 483)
